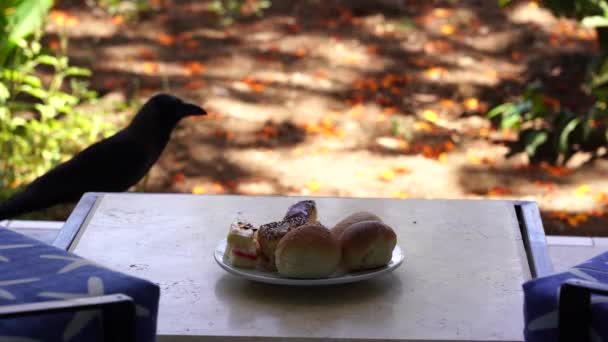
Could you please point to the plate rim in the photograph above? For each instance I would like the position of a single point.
(343, 279)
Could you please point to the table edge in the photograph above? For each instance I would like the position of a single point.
(75, 221)
(533, 235)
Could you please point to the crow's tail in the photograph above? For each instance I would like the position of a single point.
(16, 205)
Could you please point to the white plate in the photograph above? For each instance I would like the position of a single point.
(274, 278)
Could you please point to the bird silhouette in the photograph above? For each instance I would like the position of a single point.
(113, 164)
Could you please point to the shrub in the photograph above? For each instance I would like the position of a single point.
(554, 135)
(231, 10)
(40, 123)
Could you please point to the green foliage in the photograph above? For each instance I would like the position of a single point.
(591, 13)
(550, 135)
(402, 127)
(231, 10)
(40, 124)
(19, 19)
(554, 135)
(129, 9)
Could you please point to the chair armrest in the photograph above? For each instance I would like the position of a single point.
(118, 313)
(575, 308)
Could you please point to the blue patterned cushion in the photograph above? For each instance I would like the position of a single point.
(541, 302)
(31, 271)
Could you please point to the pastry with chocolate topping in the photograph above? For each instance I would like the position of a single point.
(270, 234)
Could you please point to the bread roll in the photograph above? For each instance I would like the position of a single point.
(360, 216)
(310, 251)
(367, 245)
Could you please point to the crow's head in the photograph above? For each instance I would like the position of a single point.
(164, 111)
(170, 105)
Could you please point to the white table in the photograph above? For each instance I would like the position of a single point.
(461, 280)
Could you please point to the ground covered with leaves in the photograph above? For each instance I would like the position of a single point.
(335, 98)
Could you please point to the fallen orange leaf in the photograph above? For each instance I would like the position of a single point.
(340, 134)
(355, 111)
(390, 110)
(313, 185)
(71, 21)
(484, 132)
(118, 20)
(437, 46)
(185, 35)
(371, 84)
(517, 56)
(447, 103)
(178, 178)
(300, 52)
(166, 39)
(58, 17)
(395, 90)
(218, 188)
(436, 72)
(448, 29)
(198, 190)
(54, 44)
(555, 170)
(600, 197)
(430, 115)
(552, 102)
(257, 87)
(402, 169)
(442, 158)
(150, 68)
(147, 54)
(473, 159)
(400, 194)
(388, 80)
(577, 219)
(192, 44)
(491, 74)
(582, 190)
(327, 122)
(387, 175)
(441, 12)
(194, 68)
(499, 191)
(471, 104)
(422, 126)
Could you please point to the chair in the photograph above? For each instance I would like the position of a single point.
(569, 306)
(48, 294)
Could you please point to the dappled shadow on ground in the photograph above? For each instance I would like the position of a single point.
(389, 82)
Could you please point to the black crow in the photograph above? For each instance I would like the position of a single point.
(110, 165)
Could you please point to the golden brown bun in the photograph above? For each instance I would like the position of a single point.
(359, 216)
(366, 245)
(310, 251)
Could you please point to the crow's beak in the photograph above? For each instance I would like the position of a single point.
(189, 109)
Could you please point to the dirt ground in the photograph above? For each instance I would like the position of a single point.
(335, 98)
